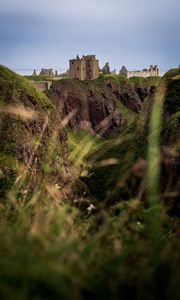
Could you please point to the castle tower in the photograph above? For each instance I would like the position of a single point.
(123, 71)
(77, 68)
(154, 71)
(92, 67)
(85, 68)
(34, 73)
(106, 69)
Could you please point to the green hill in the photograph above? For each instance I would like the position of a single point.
(28, 123)
(110, 235)
(118, 181)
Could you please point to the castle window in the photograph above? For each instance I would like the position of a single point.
(78, 68)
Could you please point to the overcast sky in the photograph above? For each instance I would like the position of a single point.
(47, 33)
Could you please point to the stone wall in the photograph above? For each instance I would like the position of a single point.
(152, 71)
(42, 85)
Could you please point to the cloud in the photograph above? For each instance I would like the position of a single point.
(45, 32)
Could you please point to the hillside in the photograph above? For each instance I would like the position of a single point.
(28, 124)
(89, 209)
(102, 106)
(117, 168)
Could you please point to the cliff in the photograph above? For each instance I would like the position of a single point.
(103, 105)
(110, 237)
(118, 167)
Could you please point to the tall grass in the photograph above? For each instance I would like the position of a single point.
(154, 158)
(52, 250)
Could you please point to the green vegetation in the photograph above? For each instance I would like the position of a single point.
(39, 78)
(114, 238)
(120, 79)
(129, 115)
(26, 130)
(13, 86)
(109, 182)
(80, 144)
(151, 81)
(172, 74)
(172, 96)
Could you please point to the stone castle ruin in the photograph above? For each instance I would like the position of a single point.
(46, 73)
(85, 68)
(153, 71)
(106, 69)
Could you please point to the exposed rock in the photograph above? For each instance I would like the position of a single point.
(94, 109)
(144, 91)
(126, 94)
(96, 103)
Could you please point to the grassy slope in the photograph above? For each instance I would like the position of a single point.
(11, 82)
(48, 251)
(171, 128)
(25, 140)
(79, 145)
(124, 149)
(113, 182)
(39, 78)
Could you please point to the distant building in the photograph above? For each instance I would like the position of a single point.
(47, 72)
(153, 71)
(85, 68)
(106, 69)
(34, 73)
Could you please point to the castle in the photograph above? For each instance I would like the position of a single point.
(153, 71)
(85, 68)
(46, 72)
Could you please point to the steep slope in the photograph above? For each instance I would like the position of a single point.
(117, 169)
(103, 105)
(32, 143)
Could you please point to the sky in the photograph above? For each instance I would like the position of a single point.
(47, 33)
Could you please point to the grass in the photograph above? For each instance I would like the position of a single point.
(80, 143)
(129, 115)
(11, 82)
(171, 74)
(52, 250)
(39, 78)
(151, 81)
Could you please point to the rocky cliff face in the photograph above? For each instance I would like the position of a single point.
(96, 103)
(123, 177)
